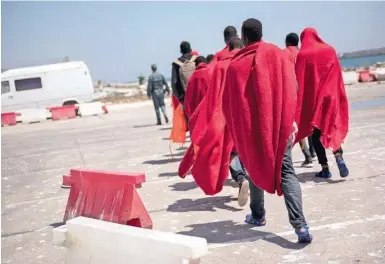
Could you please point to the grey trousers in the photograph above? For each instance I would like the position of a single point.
(158, 100)
(291, 192)
(236, 168)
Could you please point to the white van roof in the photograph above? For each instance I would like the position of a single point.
(42, 68)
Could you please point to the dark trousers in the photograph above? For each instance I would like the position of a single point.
(291, 192)
(236, 168)
(320, 150)
(158, 100)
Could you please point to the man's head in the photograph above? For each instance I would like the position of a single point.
(229, 33)
(153, 67)
(251, 31)
(209, 58)
(292, 39)
(235, 43)
(185, 47)
(199, 60)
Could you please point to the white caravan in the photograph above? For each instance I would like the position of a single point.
(45, 86)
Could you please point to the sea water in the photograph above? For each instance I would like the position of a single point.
(362, 61)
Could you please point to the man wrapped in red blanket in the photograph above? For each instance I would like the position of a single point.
(211, 139)
(259, 101)
(322, 105)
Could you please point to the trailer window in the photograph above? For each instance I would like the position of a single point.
(28, 84)
(5, 87)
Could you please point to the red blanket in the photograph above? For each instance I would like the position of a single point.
(292, 53)
(322, 101)
(221, 54)
(258, 103)
(211, 141)
(197, 88)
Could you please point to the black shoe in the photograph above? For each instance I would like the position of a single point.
(313, 155)
(159, 123)
(307, 164)
(166, 119)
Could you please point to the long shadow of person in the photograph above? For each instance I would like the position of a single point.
(162, 162)
(230, 232)
(209, 204)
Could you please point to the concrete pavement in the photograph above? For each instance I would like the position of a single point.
(346, 216)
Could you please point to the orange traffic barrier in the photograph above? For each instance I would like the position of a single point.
(106, 196)
(63, 112)
(366, 76)
(8, 119)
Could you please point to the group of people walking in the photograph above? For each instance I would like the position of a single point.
(248, 107)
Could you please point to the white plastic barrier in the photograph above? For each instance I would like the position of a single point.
(90, 109)
(350, 77)
(380, 74)
(97, 242)
(33, 115)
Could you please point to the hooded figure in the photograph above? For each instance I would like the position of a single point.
(322, 106)
(259, 100)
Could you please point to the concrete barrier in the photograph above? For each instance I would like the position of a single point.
(379, 73)
(90, 109)
(97, 242)
(33, 115)
(350, 77)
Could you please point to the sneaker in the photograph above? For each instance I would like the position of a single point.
(303, 235)
(313, 155)
(307, 164)
(166, 119)
(324, 174)
(252, 221)
(243, 194)
(344, 171)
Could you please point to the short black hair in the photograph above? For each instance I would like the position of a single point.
(199, 60)
(235, 43)
(185, 47)
(209, 58)
(292, 39)
(252, 29)
(229, 32)
(153, 67)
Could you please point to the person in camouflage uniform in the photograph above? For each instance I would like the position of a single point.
(155, 91)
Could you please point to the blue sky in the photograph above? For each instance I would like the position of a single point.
(120, 40)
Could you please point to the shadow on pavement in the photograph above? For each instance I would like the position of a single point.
(161, 162)
(168, 174)
(142, 126)
(165, 128)
(231, 232)
(179, 154)
(309, 177)
(58, 224)
(209, 204)
(183, 186)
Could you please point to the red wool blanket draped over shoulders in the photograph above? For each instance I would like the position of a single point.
(259, 100)
(221, 54)
(197, 88)
(292, 53)
(322, 101)
(211, 141)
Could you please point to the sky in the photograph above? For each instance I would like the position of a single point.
(120, 40)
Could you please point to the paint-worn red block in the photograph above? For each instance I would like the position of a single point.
(63, 112)
(107, 196)
(8, 119)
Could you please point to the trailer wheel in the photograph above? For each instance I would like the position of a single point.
(72, 102)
